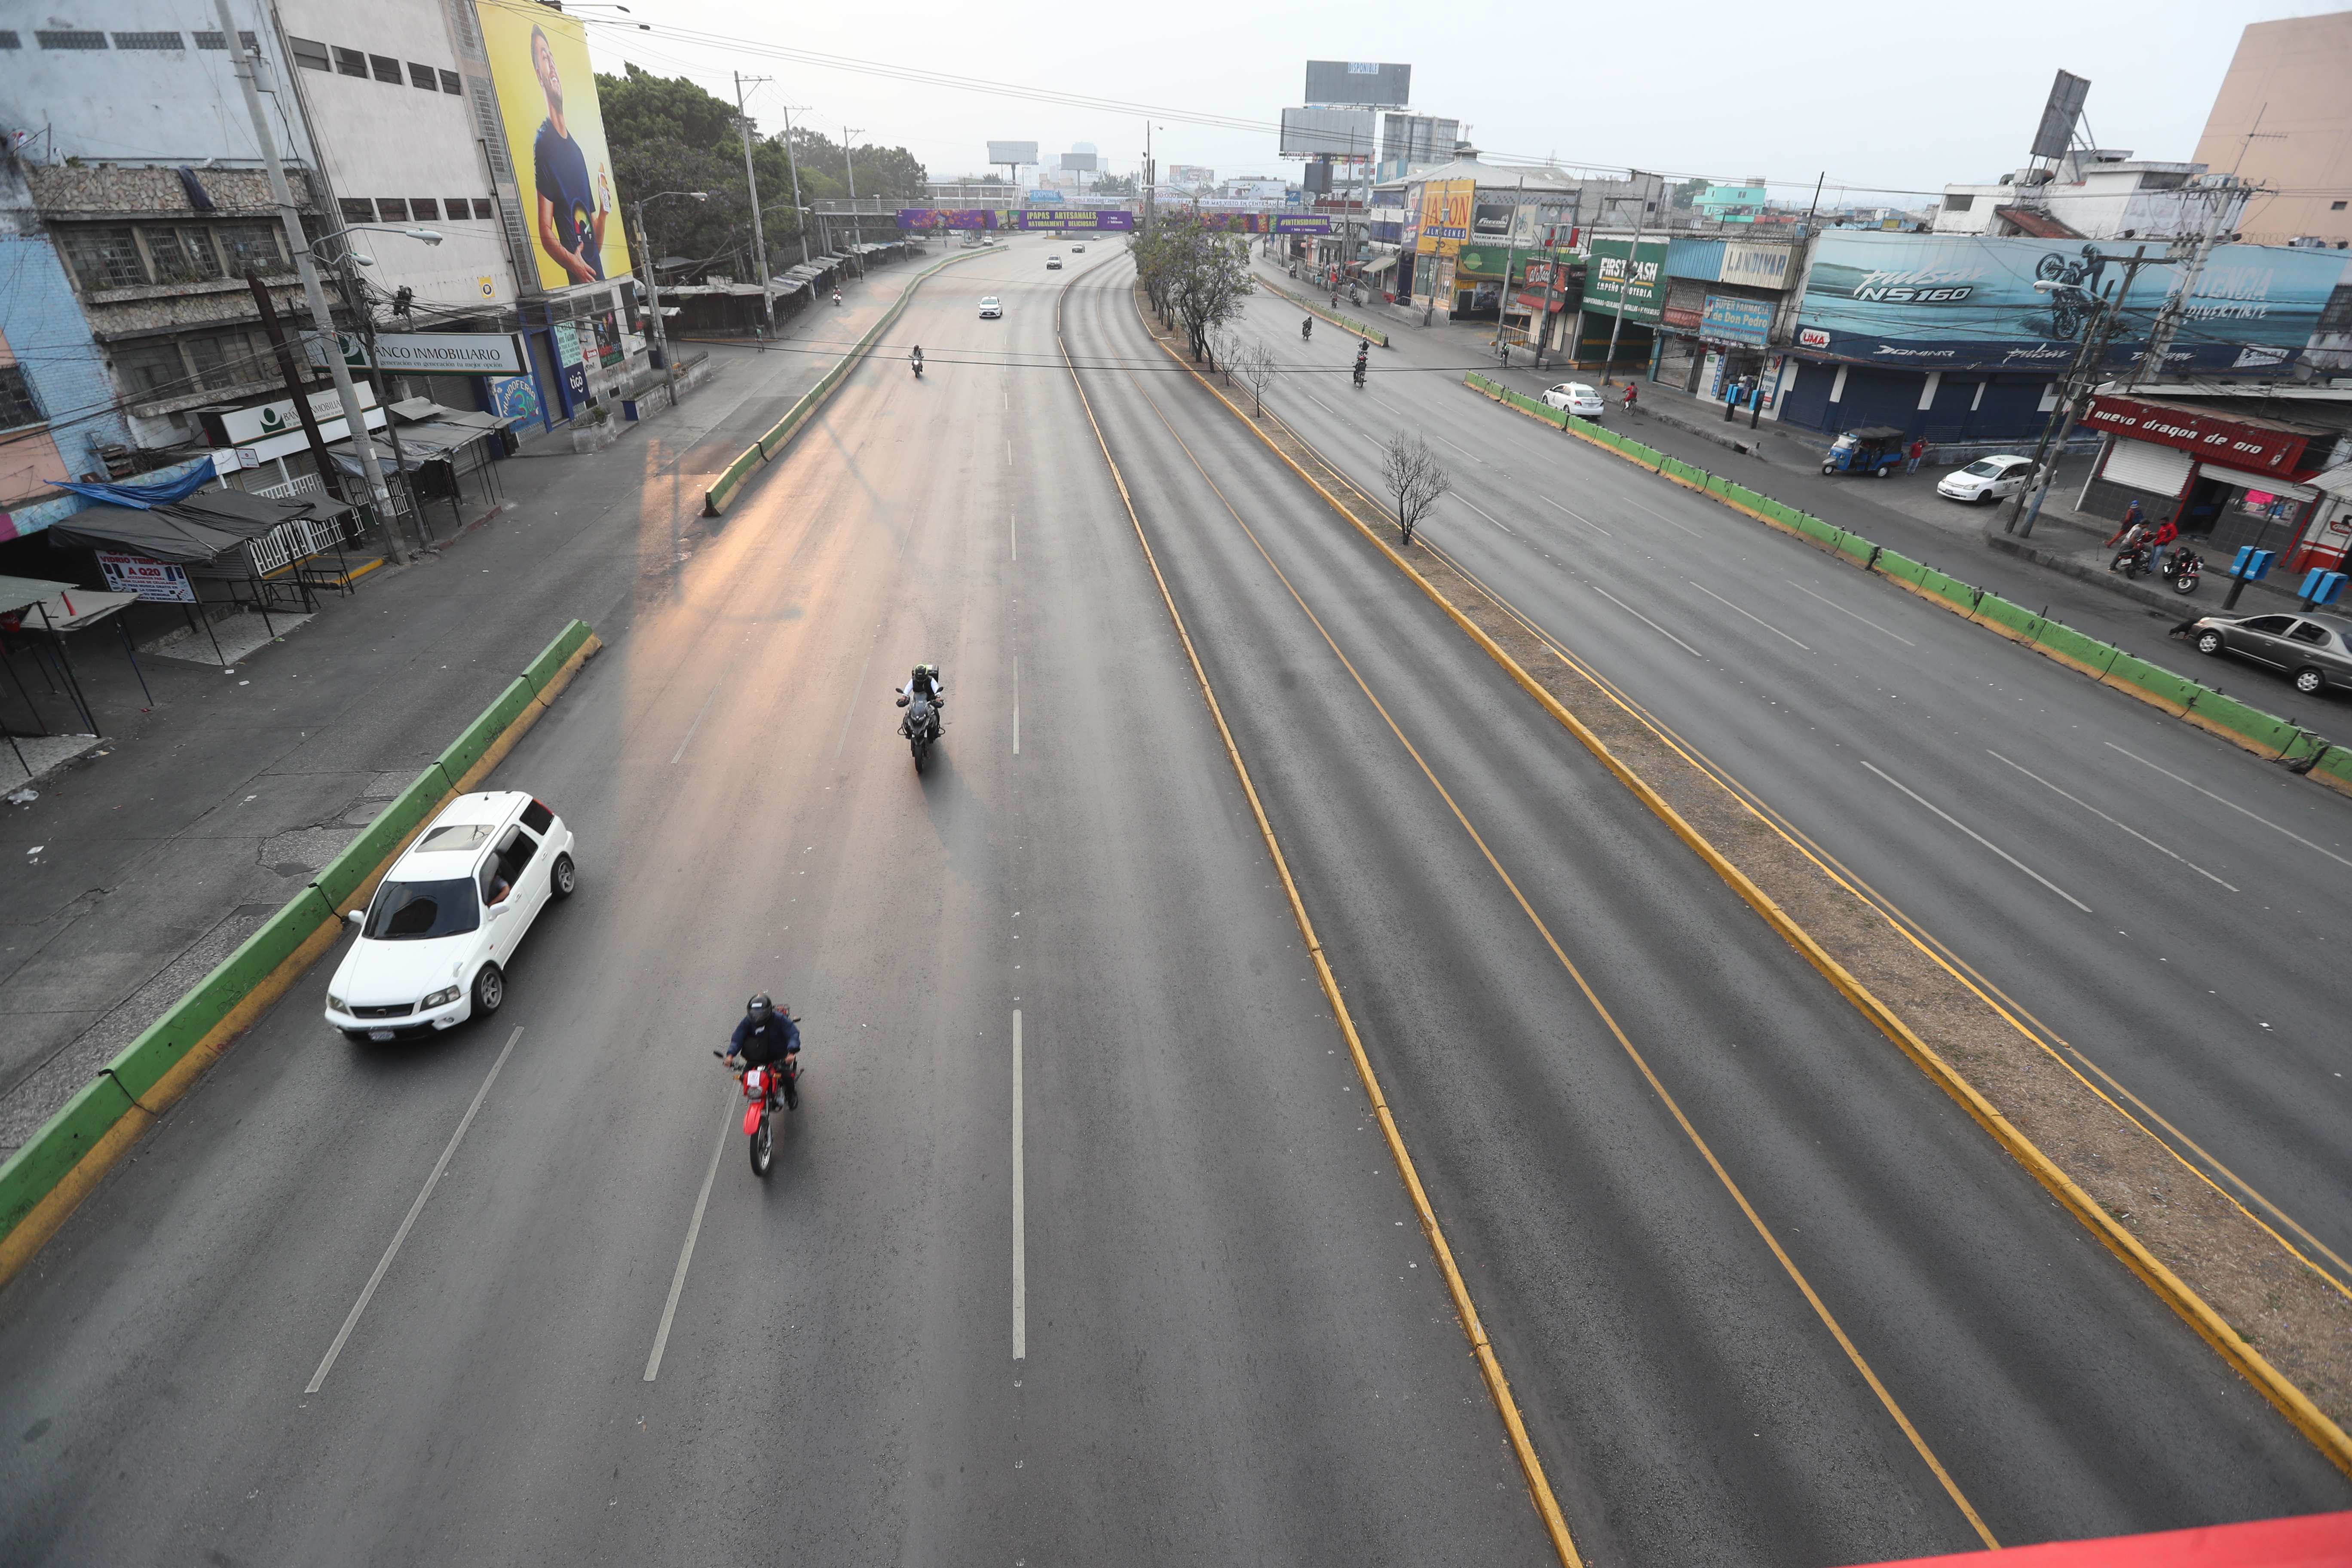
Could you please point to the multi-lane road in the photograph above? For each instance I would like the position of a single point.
(1082, 1248)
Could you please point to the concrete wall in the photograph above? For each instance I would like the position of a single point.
(41, 326)
(2292, 75)
(379, 138)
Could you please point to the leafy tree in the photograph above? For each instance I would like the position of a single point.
(1686, 194)
(1115, 186)
(1194, 275)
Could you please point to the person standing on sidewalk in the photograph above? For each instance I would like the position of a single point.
(1918, 450)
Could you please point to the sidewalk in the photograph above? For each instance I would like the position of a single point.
(145, 863)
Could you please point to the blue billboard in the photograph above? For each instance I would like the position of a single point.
(1949, 301)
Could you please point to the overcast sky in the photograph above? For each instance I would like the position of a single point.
(1904, 97)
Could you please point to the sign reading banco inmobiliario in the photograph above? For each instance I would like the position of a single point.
(1970, 302)
(437, 354)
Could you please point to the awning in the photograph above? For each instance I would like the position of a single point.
(1379, 264)
(2039, 224)
(238, 511)
(2336, 481)
(159, 535)
(71, 609)
(1536, 303)
(22, 593)
(2259, 483)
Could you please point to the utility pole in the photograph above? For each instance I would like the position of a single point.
(2081, 382)
(1510, 255)
(759, 232)
(1575, 217)
(1150, 185)
(792, 161)
(2176, 304)
(355, 300)
(276, 332)
(849, 162)
(1625, 284)
(305, 264)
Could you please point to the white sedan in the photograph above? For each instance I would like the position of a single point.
(991, 308)
(1987, 479)
(1575, 398)
(447, 915)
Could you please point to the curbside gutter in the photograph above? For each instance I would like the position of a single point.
(43, 1182)
(2302, 751)
(2290, 1401)
(779, 436)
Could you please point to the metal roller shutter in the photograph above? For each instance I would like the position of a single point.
(2144, 465)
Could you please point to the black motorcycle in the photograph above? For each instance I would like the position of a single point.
(2131, 561)
(1359, 373)
(2181, 569)
(920, 727)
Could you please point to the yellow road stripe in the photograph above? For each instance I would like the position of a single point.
(1489, 1368)
(1592, 998)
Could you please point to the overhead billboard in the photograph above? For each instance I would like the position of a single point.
(1012, 151)
(1446, 214)
(1103, 220)
(1418, 138)
(1084, 162)
(1327, 132)
(555, 136)
(1623, 280)
(1192, 174)
(1941, 302)
(2055, 134)
(1360, 83)
(437, 354)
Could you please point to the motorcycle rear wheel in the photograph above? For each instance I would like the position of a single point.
(763, 1147)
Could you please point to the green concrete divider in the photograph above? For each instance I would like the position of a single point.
(2256, 730)
(737, 474)
(42, 1181)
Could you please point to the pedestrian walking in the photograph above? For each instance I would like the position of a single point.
(1918, 450)
(2132, 519)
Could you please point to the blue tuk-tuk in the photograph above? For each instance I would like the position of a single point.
(1874, 449)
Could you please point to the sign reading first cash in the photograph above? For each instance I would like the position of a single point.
(437, 354)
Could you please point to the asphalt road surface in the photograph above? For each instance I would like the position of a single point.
(2155, 896)
(1081, 1248)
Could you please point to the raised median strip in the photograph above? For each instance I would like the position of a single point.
(2302, 751)
(779, 436)
(2232, 1276)
(42, 1183)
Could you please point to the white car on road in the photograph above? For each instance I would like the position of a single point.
(448, 916)
(1577, 398)
(991, 308)
(1987, 479)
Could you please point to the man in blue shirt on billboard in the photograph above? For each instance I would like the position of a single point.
(571, 212)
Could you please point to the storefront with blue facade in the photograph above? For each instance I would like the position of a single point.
(1964, 340)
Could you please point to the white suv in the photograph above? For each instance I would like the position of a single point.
(451, 910)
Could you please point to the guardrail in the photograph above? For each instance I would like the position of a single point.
(42, 1181)
(2300, 750)
(1361, 329)
(779, 436)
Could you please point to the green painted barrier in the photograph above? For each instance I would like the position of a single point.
(557, 654)
(2179, 691)
(2074, 644)
(483, 733)
(158, 1050)
(2267, 731)
(45, 1160)
(342, 877)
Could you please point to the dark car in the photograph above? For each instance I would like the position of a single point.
(2315, 649)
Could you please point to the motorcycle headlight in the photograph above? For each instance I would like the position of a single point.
(440, 998)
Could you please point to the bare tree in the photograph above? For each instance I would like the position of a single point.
(1415, 478)
(1257, 365)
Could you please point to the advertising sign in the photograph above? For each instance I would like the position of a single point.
(438, 353)
(1968, 302)
(1191, 173)
(244, 427)
(1376, 86)
(1335, 132)
(1102, 220)
(516, 397)
(1012, 151)
(158, 580)
(555, 135)
(2216, 439)
(946, 217)
(1446, 214)
(1490, 222)
(1728, 319)
(1620, 282)
(1760, 266)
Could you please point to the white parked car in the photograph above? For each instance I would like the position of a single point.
(1987, 479)
(448, 916)
(1078, 249)
(992, 307)
(1053, 264)
(1582, 401)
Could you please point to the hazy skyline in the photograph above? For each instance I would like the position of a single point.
(1902, 106)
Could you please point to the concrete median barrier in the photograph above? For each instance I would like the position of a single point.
(41, 1182)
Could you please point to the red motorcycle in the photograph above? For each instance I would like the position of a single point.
(767, 1088)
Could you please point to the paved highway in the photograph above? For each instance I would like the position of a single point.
(2152, 895)
(1081, 1248)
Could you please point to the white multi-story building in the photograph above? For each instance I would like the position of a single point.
(2097, 194)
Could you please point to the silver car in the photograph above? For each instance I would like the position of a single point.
(2315, 649)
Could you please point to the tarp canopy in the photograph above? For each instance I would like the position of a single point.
(158, 534)
(140, 496)
(19, 593)
(238, 511)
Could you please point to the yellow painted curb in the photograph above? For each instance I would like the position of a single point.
(2291, 1400)
(44, 1219)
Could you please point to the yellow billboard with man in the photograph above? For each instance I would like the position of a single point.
(555, 136)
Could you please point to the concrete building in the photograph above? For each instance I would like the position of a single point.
(2282, 120)
(2095, 193)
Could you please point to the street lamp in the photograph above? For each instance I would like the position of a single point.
(849, 163)
(360, 440)
(653, 279)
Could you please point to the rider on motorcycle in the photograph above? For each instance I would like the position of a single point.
(1306, 328)
(2156, 542)
(925, 682)
(768, 1036)
(917, 357)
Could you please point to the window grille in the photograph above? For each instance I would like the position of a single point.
(17, 408)
(150, 41)
(70, 40)
(105, 258)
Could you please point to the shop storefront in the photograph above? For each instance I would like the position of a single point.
(1624, 296)
(2227, 478)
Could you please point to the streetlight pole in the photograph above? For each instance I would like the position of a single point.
(298, 246)
(759, 233)
(653, 283)
(793, 162)
(849, 162)
(1625, 284)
